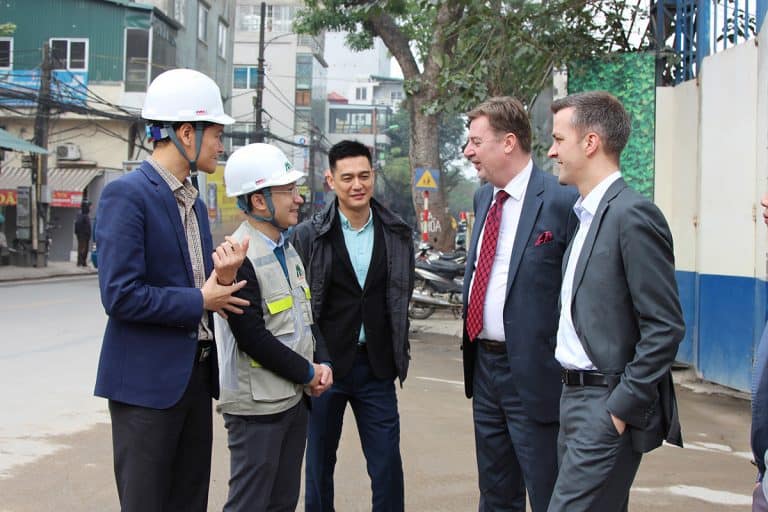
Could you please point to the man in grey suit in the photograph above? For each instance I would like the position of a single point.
(523, 221)
(620, 319)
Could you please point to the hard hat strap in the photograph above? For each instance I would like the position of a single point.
(199, 128)
(242, 203)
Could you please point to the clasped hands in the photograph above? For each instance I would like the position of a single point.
(322, 380)
(218, 290)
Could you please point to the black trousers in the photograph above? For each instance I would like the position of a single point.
(162, 457)
(82, 251)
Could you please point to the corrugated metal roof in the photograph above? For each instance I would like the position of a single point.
(67, 179)
(8, 141)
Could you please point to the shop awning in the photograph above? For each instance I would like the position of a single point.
(59, 178)
(13, 143)
(66, 184)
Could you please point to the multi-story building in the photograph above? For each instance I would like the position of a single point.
(377, 90)
(364, 116)
(103, 55)
(293, 100)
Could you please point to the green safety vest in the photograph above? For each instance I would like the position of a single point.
(246, 387)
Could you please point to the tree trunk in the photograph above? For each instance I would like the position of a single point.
(425, 153)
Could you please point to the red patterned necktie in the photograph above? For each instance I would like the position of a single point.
(476, 303)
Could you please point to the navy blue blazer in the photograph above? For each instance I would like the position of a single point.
(531, 310)
(759, 434)
(148, 292)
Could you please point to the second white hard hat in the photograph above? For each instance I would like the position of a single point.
(179, 95)
(258, 166)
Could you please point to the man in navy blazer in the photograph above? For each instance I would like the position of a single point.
(158, 361)
(759, 431)
(509, 365)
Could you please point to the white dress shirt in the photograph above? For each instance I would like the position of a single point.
(569, 351)
(496, 295)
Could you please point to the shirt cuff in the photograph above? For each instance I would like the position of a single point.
(311, 372)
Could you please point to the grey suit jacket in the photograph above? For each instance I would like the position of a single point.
(627, 314)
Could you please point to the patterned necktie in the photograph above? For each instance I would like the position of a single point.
(476, 303)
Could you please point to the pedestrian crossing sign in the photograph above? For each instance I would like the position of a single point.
(426, 179)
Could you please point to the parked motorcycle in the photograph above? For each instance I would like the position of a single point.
(438, 284)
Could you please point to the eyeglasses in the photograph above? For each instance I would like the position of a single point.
(294, 191)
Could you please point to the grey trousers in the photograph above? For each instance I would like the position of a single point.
(759, 503)
(265, 460)
(597, 465)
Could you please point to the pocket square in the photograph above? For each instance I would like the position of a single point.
(544, 238)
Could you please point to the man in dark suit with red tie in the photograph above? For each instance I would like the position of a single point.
(523, 222)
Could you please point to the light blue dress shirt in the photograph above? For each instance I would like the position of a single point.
(359, 244)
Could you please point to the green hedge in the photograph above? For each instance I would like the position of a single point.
(631, 78)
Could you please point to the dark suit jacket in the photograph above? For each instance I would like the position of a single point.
(759, 431)
(627, 313)
(148, 291)
(533, 287)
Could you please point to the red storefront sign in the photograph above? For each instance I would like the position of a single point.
(66, 199)
(59, 198)
(8, 198)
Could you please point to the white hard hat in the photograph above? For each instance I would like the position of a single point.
(257, 166)
(179, 95)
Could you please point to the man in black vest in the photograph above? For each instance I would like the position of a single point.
(359, 260)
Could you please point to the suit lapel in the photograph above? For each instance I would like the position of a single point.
(340, 248)
(172, 209)
(531, 206)
(205, 242)
(378, 254)
(589, 241)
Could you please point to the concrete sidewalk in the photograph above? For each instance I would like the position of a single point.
(9, 273)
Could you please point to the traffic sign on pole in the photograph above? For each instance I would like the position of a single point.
(426, 179)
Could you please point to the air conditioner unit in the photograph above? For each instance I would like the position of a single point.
(68, 151)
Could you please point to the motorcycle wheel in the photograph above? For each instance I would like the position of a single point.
(419, 311)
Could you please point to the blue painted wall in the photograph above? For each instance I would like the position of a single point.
(686, 286)
(724, 317)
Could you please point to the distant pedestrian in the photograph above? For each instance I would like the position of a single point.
(83, 233)
(759, 435)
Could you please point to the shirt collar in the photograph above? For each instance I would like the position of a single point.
(588, 205)
(517, 185)
(172, 181)
(346, 225)
(271, 243)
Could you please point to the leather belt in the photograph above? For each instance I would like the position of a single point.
(204, 349)
(497, 347)
(584, 378)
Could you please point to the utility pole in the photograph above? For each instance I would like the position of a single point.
(375, 122)
(40, 168)
(260, 79)
(311, 169)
